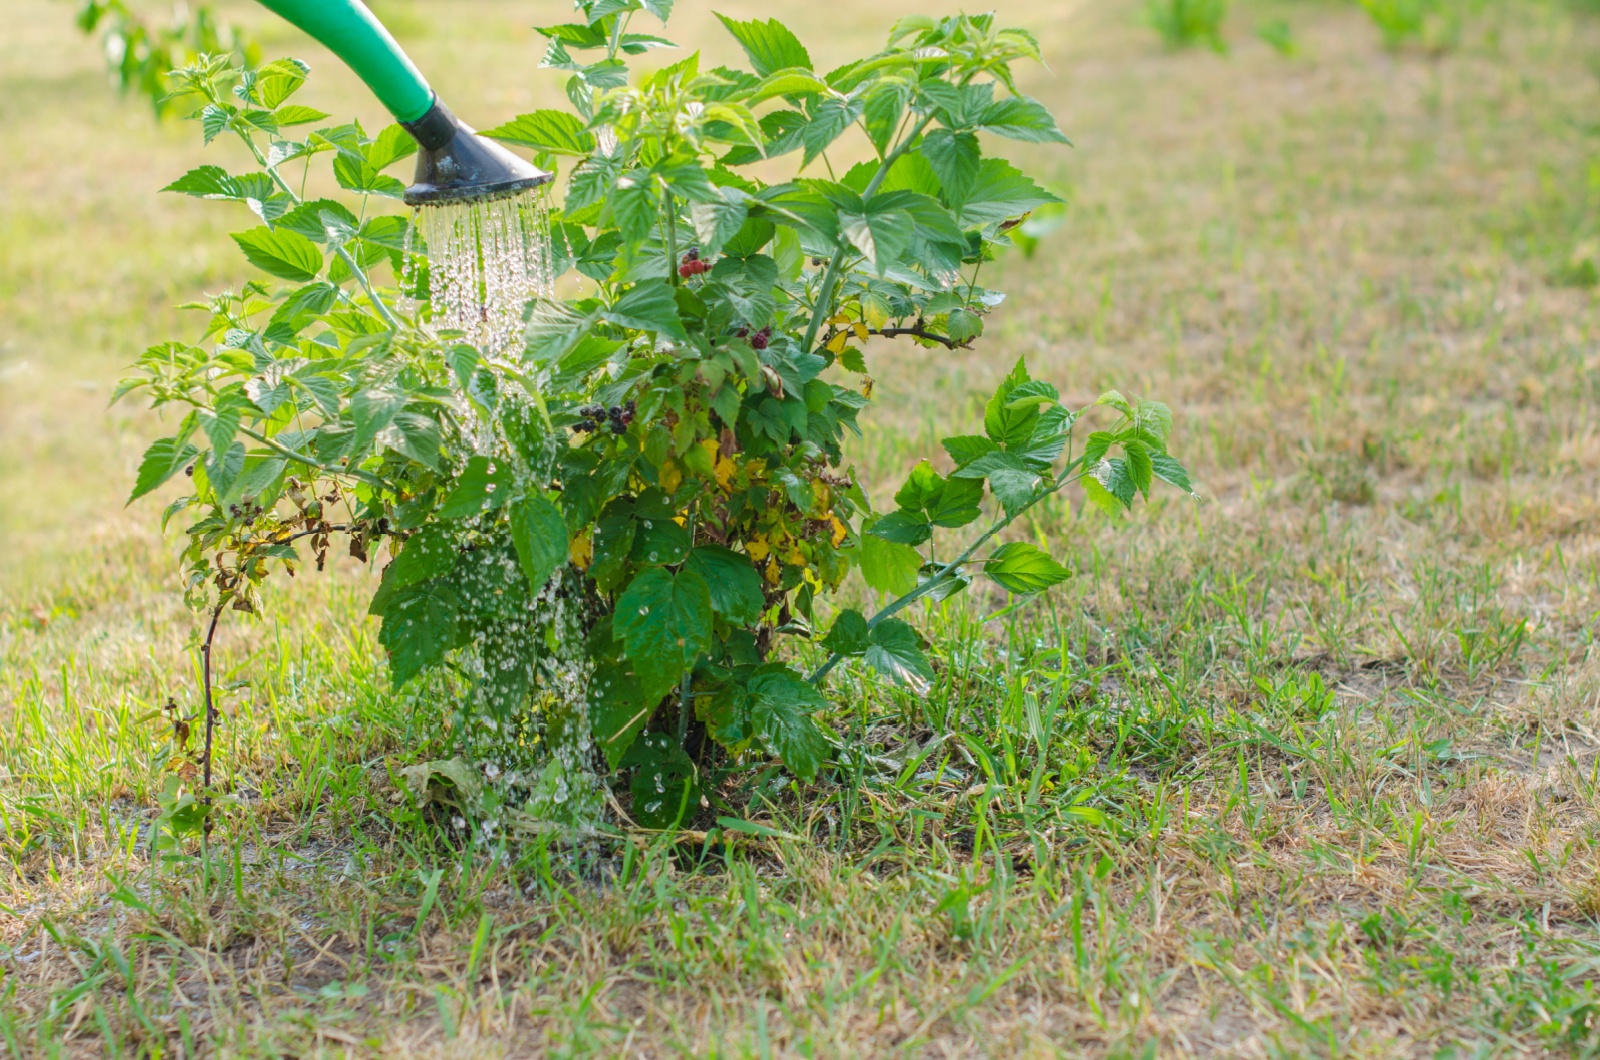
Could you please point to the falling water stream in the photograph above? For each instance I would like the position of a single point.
(486, 260)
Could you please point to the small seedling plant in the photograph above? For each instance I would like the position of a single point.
(634, 527)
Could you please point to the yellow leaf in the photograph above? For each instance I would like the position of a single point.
(758, 548)
(671, 475)
(839, 530)
(774, 573)
(725, 472)
(582, 551)
(860, 329)
(837, 344)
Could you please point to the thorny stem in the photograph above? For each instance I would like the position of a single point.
(831, 277)
(939, 576)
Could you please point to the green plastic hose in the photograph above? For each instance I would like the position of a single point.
(352, 33)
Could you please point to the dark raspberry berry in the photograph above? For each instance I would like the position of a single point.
(693, 254)
(758, 341)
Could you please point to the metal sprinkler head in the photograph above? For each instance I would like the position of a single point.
(455, 164)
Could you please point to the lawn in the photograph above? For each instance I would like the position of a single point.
(1307, 767)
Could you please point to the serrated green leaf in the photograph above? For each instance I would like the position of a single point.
(372, 409)
(770, 45)
(280, 252)
(896, 652)
(419, 627)
(1001, 193)
(428, 553)
(1024, 568)
(294, 114)
(206, 182)
(161, 461)
(540, 535)
(554, 131)
(956, 504)
(483, 483)
(735, 586)
(780, 704)
(1170, 471)
(849, 634)
(955, 159)
(902, 528)
(648, 306)
(965, 448)
(881, 234)
(888, 567)
(1021, 118)
(617, 711)
(665, 621)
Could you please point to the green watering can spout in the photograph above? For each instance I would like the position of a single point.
(454, 163)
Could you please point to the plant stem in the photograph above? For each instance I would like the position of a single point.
(943, 572)
(831, 277)
(300, 458)
(211, 711)
(344, 255)
(672, 241)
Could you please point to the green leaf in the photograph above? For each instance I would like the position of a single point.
(1000, 192)
(965, 448)
(882, 235)
(419, 627)
(278, 80)
(1021, 118)
(617, 711)
(294, 114)
(280, 252)
(889, 567)
(1136, 458)
(1015, 484)
(161, 461)
(715, 223)
(770, 45)
(428, 553)
(896, 652)
(954, 158)
(1023, 568)
(956, 504)
(921, 487)
(829, 119)
(665, 793)
(206, 182)
(540, 535)
(372, 409)
(482, 484)
(1007, 426)
(648, 306)
(735, 586)
(665, 621)
(1170, 471)
(789, 82)
(555, 131)
(1101, 497)
(849, 634)
(781, 703)
(902, 527)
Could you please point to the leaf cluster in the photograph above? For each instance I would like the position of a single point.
(666, 456)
